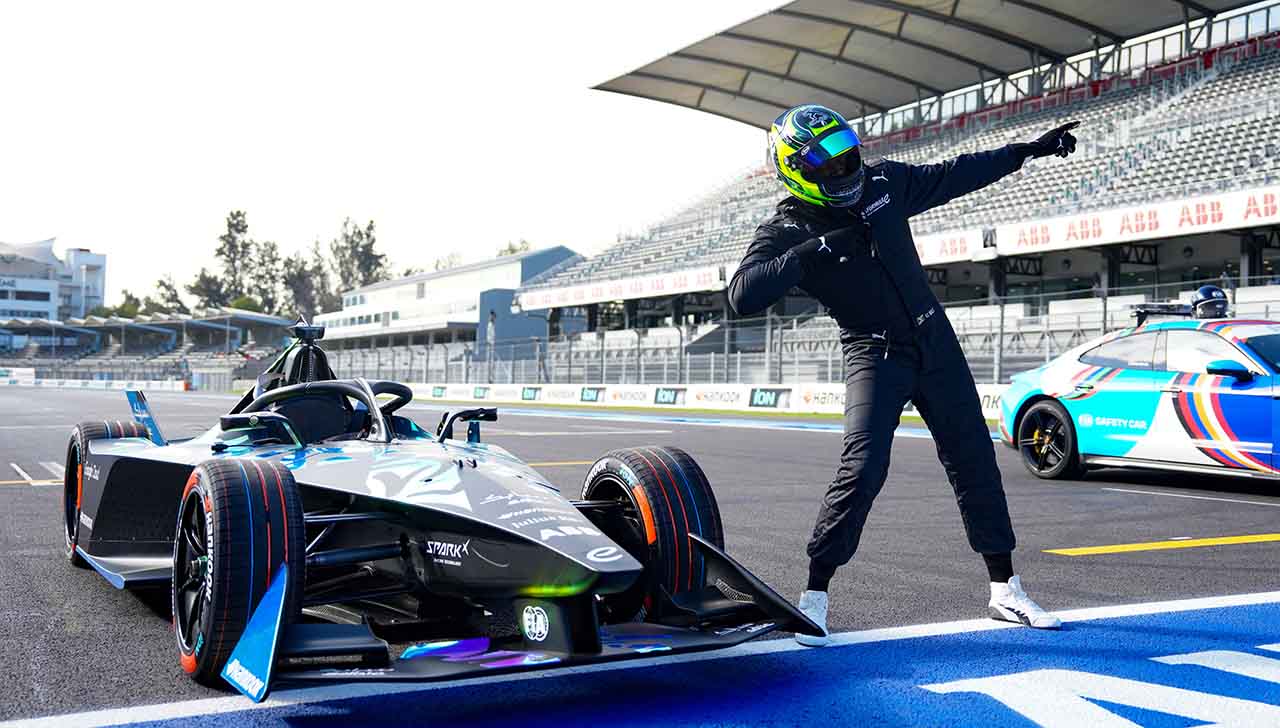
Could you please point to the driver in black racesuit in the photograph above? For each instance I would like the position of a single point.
(842, 237)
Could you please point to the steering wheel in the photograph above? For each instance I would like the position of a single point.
(403, 395)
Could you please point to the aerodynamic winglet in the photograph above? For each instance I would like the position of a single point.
(142, 415)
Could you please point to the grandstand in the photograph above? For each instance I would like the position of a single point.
(1175, 183)
(209, 348)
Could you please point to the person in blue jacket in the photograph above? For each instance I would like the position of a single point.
(842, 237)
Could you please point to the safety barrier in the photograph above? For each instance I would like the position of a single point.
(815, 398)
(153, 385)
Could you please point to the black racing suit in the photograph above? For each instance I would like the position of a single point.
(898, 345)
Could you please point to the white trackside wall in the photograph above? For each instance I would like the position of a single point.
(794, 398)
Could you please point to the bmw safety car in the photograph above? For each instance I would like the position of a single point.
(315, 531)
(1173, 394)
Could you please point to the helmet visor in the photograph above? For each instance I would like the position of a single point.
(826, 146)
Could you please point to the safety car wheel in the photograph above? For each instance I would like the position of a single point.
(73, 475)
(238, 522)
(1047, 442)
(666, 497)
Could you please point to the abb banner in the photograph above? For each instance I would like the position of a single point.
(664, 284)
(1225, 211)
(950, 247)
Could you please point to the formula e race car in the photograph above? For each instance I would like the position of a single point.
(314, 531)
(1175, 394)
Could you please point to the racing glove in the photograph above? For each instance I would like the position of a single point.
(1059, 141)
(834, 247)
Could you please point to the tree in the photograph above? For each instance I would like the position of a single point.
(167, 297)
(514, 248)
(247, 303)
(209, 289)
(356, 261)
(130, 307)
(327, 298)
(235, 251)
(306, 283)
(412, 270)
(266, 275)
(449, 261)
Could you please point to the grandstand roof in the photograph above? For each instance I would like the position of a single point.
(40, 251)
(447, 272)
(866, 56)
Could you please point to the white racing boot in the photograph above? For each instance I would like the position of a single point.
(1010, 604)
(813, 604)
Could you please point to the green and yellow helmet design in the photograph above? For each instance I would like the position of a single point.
(804, 138)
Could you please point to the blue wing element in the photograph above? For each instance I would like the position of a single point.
(142, 415)
(249, 667)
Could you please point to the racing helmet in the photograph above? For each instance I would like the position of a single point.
(1209, 302)
(816, 154)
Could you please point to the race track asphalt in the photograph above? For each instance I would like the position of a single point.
(69, 642)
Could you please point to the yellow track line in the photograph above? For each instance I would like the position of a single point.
(561, 464)
(29, 482)
(1190, 543)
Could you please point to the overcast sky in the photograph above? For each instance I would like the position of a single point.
(132, 128)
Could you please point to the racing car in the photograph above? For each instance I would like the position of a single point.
(1170, 393)
(315, 531)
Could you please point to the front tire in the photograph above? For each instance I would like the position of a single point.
(239, 520)
(665, 497)
(1046, 440)
(73, 476)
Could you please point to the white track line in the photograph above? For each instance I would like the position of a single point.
(323, 693)
(54, 468)
(579, 433)
(22, 473)
(1194, 497)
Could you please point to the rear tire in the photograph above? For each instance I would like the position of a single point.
(666, 497)
(1046, 439)
(238, 522)
(73, 476)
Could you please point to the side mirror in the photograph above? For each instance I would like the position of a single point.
(479, 414)
(260, 426)
(1230, 368)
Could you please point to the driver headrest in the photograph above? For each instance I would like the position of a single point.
(306, 363)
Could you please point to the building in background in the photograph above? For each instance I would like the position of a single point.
(37, 284)
(469, 303)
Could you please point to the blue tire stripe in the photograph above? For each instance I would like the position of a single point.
(253, 554)
(702, 563)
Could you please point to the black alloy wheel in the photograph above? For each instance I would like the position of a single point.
(1047, 442)
(192, 571)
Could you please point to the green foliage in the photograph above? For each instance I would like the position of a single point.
(306, 284)
(246, 303)
(209, 289)
(167, 299)
(130, 307)
(235, 251)
(355, 259)
(514, 248)
(266, 276)
(452, 260)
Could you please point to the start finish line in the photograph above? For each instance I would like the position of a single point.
(1163, 665)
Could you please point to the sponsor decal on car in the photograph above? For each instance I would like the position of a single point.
(591, 394)
(92, 472)
(245, 680)
(1120, 422)
(557, 532)
(604, 554)
(535, 623)
(668, 395)
(85, 520)
(446, 553)
(1085, 419)
(772, 398)
(531, 511)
